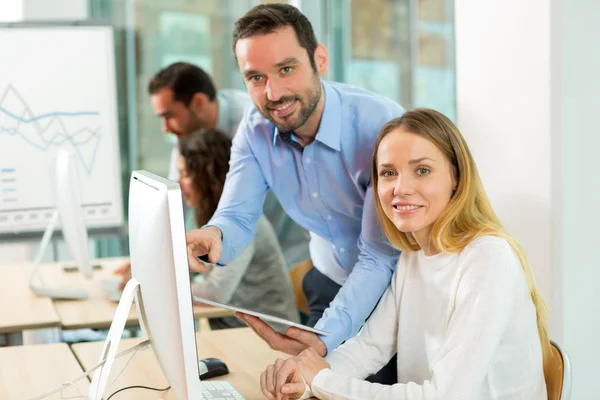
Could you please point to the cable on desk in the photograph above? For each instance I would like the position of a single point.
(139, 387)
(65, 385)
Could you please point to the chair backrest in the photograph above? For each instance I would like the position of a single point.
(558, 374)
(297, 273)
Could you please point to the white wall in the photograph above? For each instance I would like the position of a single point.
(503, 109)
(11, 10)
(576, 105)
(528, 87)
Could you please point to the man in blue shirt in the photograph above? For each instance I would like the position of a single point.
(311, 143)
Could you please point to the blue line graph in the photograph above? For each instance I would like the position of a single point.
(88, 168)
(48, 115)
(56, 121)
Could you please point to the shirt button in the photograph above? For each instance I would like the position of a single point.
(307, 160)
(342, 250)
(329, 217)
(315, 194)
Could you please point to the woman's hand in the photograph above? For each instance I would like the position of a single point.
(124, 271)
(283, 372)
(287, 379)
(310, 363)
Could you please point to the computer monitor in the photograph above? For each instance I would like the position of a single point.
(69, 206)
(161, 284)
(159, 263)
(69, 214)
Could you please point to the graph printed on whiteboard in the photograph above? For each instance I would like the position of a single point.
(71, 106)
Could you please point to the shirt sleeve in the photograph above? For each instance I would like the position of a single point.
(241, 203)
(484, 299)
(222, 283)
(376, 343)
(369, 278)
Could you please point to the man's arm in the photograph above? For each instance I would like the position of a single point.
(242, 200)
(364, 287)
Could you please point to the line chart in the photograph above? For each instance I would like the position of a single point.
(43, 131)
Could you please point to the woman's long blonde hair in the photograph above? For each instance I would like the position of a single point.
(468, 215)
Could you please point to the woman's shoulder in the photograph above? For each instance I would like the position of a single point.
(265, 239)
(264, 229)
(492, 252)
(490, 243)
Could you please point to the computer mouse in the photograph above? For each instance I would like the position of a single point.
(211, 368)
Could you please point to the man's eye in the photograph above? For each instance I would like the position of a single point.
(286, 70)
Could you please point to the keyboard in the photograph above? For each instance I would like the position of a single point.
(219, 390)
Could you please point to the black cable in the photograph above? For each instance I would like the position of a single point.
(139, 387)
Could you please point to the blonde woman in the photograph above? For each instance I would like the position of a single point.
(462, 312)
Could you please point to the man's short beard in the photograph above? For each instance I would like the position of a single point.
(306, 110)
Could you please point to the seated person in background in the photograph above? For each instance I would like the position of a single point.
(258, 278)
(463, 311)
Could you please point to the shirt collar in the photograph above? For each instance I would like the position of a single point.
(329, 132)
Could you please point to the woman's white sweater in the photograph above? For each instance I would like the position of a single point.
(463, 325)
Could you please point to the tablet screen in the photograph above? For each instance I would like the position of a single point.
(262, 316)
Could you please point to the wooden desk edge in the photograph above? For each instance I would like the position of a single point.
(19, 328)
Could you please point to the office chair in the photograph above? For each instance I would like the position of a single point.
(297, 273)
(558, 375)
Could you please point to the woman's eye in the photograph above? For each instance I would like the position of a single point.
(386, 174)
(423, 171)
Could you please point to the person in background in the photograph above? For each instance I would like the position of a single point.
(185, 98)
(463, 311)
(257, 279)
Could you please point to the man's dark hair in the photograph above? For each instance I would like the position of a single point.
(185, 80)
(267, 18)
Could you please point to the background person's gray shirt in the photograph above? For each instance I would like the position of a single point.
(257, 280)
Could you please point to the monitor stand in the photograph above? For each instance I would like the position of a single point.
(111, 344)
(41, 289)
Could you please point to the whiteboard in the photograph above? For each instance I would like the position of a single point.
(57, 89)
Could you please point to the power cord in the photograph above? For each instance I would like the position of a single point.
(65, 385)
(139, 387)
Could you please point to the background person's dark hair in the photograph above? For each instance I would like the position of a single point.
(185, 80)
(206, 153)
(267, 18)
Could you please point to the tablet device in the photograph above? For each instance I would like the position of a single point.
(262, 316)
